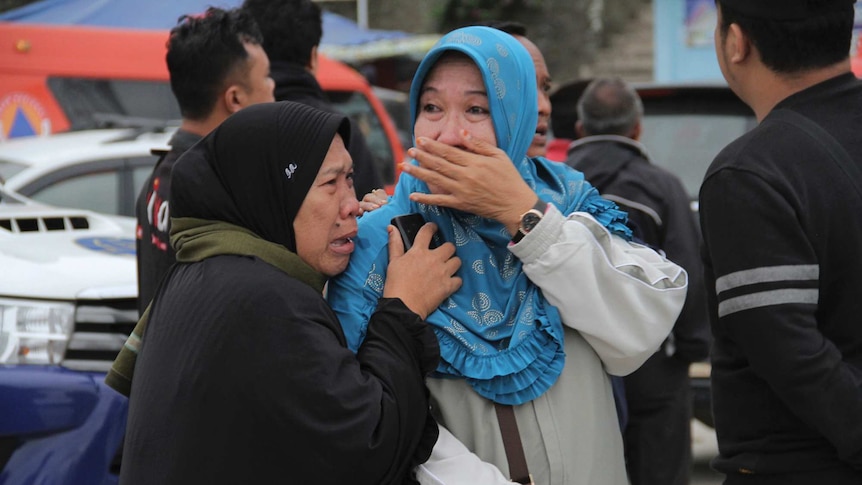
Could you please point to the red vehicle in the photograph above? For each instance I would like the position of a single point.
(59, 78)
(856, 58)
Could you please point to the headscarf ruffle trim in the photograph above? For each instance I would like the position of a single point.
(608, 214)
(512, 376)
(526, 369)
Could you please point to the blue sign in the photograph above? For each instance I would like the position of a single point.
(683, 39)
(111, 245)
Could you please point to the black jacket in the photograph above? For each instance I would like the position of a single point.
(244, 376)
(152, 209)
(660, 215)
(295, 83)
(782, 233)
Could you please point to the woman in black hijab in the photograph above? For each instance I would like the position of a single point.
(243, 375)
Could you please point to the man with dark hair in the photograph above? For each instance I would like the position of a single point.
(217, 66)
(543, 81)
(780, 214)
(292, 30)
(657, 437)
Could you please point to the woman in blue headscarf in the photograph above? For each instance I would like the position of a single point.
(548, 302)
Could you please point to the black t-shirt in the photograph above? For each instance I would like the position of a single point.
(152, 209)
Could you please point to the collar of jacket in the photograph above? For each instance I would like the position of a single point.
(182, 140)
(622, 140)
(198, 239)
(291, 78)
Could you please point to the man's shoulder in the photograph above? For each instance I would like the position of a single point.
(305, 96)
(611, 152)
(656, 173)
(750, 152)
(293, 83)
(181, 142)
(631, 165)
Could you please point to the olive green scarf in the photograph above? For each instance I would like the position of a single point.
(196, 240)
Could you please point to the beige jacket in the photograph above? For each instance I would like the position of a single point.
(618, 302)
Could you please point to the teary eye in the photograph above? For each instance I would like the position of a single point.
(430, 108)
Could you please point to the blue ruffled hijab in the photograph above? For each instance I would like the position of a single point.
(497, 331)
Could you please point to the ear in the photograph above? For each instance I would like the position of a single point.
(579, 129)
(636, 131)
(738, 43)
(234, 98)
(312, 61)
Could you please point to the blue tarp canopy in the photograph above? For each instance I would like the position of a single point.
(163, 15)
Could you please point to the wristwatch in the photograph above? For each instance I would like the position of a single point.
(529, 220)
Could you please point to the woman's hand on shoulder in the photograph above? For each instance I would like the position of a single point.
(479, 179)
(373, 200)
(421, 277)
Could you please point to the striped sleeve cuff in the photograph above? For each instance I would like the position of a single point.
(767, 286)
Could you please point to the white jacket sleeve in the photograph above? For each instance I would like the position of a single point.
(622, 297)
(451, 463)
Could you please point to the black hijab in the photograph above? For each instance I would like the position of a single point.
(255, 169)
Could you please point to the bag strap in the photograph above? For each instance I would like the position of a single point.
(518, 471)
(837, 152)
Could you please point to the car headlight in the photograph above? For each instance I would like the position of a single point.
(34, 332)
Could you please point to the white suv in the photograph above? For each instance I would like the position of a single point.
(67, 304)
(100, 170)
(67, 296)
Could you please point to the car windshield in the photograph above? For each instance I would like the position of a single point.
(8, 198)
(84, 100)
(8, 169)
(686, 144)
(93, 103)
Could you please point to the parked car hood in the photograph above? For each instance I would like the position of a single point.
(65, 254)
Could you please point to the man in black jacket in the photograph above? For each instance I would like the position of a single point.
(292, 30)
(217, 66)
(658, 435)
(780, 213)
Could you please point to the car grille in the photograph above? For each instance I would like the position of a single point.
(101, 329)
